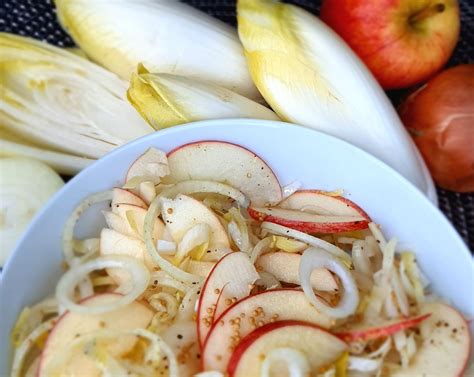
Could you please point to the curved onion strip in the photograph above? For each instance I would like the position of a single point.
(210, 373)
(162, 279)
(290, 189)
(166, 247)
(154, 353)
(260, 248)
(175, 272)
(239, 231)
(296, 362)
(188, 303)
(198, 186)
(171, 307)
(65, 289)
(68, 233)
(197, 235)
(374, 228)
(382, 350)
(397, 287)
(360, 259)
(310, 240)
(317, 258)
(23, 350)
(267, 280)
(363, 364)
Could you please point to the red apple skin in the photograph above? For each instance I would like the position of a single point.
(380, 332)
(309, 227)
(399, 49)
(257, 333)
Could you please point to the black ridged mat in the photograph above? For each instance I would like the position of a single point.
(36, 18)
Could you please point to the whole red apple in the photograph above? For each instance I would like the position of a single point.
(403, 42)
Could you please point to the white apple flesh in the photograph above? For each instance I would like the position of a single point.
(122, 196)
(134, 221)
(285, 267)
(226, 163)
(150, 166)
(319, 346)
(254, 311)
(72, 325)
(230, 280)
(183, 212)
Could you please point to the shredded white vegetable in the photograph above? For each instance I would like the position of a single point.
(295, 361)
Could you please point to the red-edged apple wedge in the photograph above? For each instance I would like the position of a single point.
(253, 311)
(227, 163)
(377, 332)
(115, 243)
(122, 196)
(322, 203)
(319, 346)
(72, 325)
(230, 280)
(285, 267)
(133, 220)
(183, 212)
(150, 166)
(308, 222)
(446, 345)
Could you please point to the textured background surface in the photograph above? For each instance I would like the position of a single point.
(36, 18)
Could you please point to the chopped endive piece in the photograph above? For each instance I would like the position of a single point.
(166, 36)
(58, 100)
(25, 185)
(166, 100)
(309, 76)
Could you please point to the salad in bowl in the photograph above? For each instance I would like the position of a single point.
(207, 266)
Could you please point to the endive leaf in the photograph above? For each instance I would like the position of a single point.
(165, 35)
(167, 100)
(309, 76)
(55, 99)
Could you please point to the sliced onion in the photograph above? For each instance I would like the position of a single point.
(187, 307)
(262, 247)
(139, 274)
(397, 287)
(197, 186)
(162, 279)
(290, 189)
(197, 235)
(154, 354)
(347, 240)
(310, 240)
(267, 280)
(166, 247)
(360, 259)
(296, 362)
(382, 350)
(22, 351)
(238, 230)
(364, 364)
(216, 253)
(318, 258)
(210, 373)
(165, 265)
(374, 228)
(68, 233)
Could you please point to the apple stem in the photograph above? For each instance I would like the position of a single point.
(426, 12)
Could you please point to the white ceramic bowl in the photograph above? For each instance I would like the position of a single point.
(295, 153)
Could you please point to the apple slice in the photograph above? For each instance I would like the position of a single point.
(320, 347)
(183, 212)
(322, 203)
(115, 243)
(446, 345)
(285, 267)
(308, 222)
(150, 166)
(133, 221)
(72, 325)
(371, 333)
(200, 268)
(230, 280)
(256, 310)
(122, 196)
(226, 163)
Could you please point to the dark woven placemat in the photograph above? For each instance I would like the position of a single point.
(36, 18)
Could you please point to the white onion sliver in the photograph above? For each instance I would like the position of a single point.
(139, 274)
(399, 293)
(318, 258)
(187, 307)
(296, 361)
(166, 247)
(267, 280)
(210, 373)
(382, 350)
(360, 259)
(162, 279)
(260, 248)
(165, 265)
(197, 235)
(310, 240)
(363, 364)
(378, 235)
(197, 186)
(22, 351)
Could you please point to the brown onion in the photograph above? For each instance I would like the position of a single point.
(440, 117)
